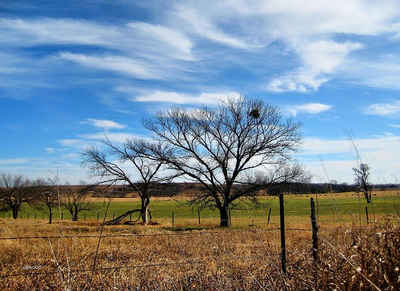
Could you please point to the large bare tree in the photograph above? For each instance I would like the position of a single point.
(221, 148)
(14, 191)
(127, 164)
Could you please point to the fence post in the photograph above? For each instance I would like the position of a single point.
(283, 242)
(172, 219)
(130, 217)
(62, 215)
(97, 216)
(314, 239)
(269, 215)
(198, 214)
(366, 214)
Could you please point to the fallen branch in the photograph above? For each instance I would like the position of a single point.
(118, 219)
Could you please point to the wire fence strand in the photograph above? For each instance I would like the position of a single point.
(143, 235)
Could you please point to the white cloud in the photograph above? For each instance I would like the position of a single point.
(106, 124)
(394, 125)
(50, 150)
(308, 30)
(309, 108)
(319, 60)
(383, 109)
(16, 161)
(69, 141)
(199, 24)
(158, 38)
(318, 146)
(378, 152)
(140, 50)
(181, 98)
(119, 137)
(151, 36)
(118, 64)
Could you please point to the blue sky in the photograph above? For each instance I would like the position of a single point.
(72, 72)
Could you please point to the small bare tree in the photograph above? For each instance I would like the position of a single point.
(220, 148)
(108, 165)
(75, 200)
(361, 178)
(45, 195)
(14, 191)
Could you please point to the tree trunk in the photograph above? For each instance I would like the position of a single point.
(75, 216)
(224, 216)
(15, 212)
(50, 214)
(145, 210)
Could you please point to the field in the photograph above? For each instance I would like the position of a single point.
(353, 255)
(338, 207)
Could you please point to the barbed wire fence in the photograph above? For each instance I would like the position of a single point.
(192, 261)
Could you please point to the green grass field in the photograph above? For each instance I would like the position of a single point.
(330, 207)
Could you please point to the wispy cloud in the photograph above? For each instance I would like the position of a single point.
(106, 124)
(308, 108)
(70, 141)
(118, 64)
(119, 137)
(319, 60)
(182, 98)
(383, 109)
(17, 161)
(377, 151)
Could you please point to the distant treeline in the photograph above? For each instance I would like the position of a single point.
(189, 189)
(302, 188)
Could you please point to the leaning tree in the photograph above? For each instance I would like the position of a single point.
(128, 164)
(221, 147)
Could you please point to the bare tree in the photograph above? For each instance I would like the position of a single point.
(75, 200)
(14, 191)
(221, 147)
(108, 165)
(361, 178)
(46, 195)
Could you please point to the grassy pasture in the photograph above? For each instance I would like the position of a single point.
(343, 207)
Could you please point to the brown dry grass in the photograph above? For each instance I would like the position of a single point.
(219, 259)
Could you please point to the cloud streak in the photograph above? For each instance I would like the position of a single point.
(309, 108)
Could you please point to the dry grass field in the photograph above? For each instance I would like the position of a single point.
(69, 255)
(160, 257)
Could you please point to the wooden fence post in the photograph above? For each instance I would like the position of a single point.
(269, 215)
(283, 242)
(172, 219)
(314, 239)
(97, 216)
(198, 214)
(366, 214)
(62, 215)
